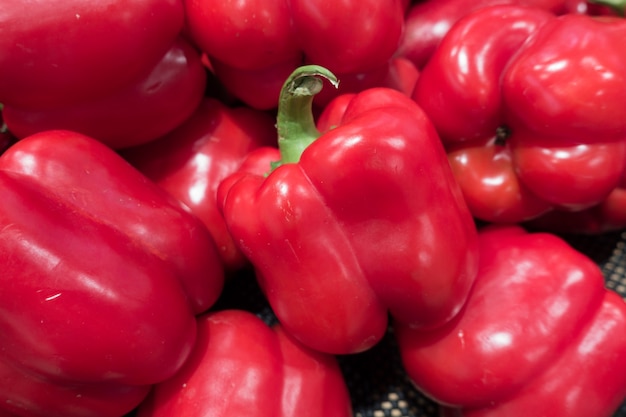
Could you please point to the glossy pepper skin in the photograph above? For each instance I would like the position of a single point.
(428, 21)
(363, 220)
(608, 216)
(144, 109)
(191, 161)
(540, 335)
(103, 274)
(56, 52)
(529, 124)
(240, 366)
(254, 45)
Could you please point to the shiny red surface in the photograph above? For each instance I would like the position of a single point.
(103, 273)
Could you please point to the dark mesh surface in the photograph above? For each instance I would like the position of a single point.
(376, 380)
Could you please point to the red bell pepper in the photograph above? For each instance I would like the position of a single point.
(61, 51)
(334, 111)
(540, 335)
(608, 216)
(191, 161)
(103, 274)
(428, 21)
(350, 225)
(253, 46)
(530, 107)
(140, 111)
(242, 367)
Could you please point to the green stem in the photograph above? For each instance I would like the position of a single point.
(295, 122)
(619, 6)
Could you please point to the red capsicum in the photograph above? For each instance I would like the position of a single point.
(428, 21)
(58, 52)
(191, 161)
(363, 220)
(242, 367)
(103, 275)
(253, 46)
(608, 216)
(530, 107)
(540, 335)
(144, 109)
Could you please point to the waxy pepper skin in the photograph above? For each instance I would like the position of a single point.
(356, 223)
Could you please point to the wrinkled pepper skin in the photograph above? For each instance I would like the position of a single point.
(242, 367)
(55, 52)
(519, 112)
(368, 221)
(103, 274)
(539, 335)
(144, 109)
(191, 161)
(254, 45)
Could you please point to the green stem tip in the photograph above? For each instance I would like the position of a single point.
(295, 122)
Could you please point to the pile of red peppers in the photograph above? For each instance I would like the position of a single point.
(404, 169)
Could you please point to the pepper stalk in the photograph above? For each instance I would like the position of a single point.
(295, 123)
